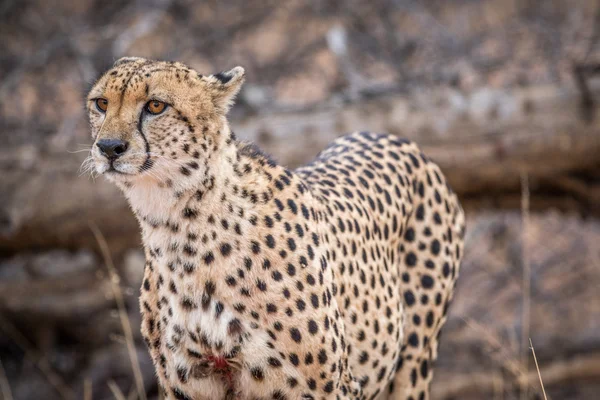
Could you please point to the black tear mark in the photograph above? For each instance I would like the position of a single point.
(148, 162)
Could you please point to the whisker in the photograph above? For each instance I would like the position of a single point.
(78, 151)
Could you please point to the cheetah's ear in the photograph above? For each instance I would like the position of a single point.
(224, 86)
(124, 60)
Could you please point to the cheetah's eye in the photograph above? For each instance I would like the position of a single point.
(101, 105)
(155, 107)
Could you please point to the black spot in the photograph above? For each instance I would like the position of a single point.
(308, 359)
(410, 259)
(295, 335)
(209, 258)
(274, 362)
(179, 395)
(300, 304)
(420, 213)
(271, 308)
(322, 357)
(270, 241)
(185, 171)
(291, 270)
(312, 327)
(314, 299)
(230, 280)
(209, 288)
(429, 319)
(225, 249)
(409, 298)
(292, 206)
(446, 270)
(435, 247)
(257, 373)
(427, 281)
(413, 340)
(294, 359)
(261, 285)
(187, 304)
(276, 275)
(424, 369)
(278, 395)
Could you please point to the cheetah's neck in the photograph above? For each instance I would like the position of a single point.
(238, 183)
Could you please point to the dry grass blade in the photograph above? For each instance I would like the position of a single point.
(500, 352)
(4, 385)
(538, 369)
(116, 391)
(118, 295)
(33, 355)
(525, 317)
(87, 389)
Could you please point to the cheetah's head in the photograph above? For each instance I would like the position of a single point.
(157, 120)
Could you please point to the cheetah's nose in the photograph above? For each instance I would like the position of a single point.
(112, 148)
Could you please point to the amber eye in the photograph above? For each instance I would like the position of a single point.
(101, 105)
(155, 107)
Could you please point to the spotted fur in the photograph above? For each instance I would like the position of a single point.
(328, 282)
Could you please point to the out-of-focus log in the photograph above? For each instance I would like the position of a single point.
(484, 142)
(58, 298)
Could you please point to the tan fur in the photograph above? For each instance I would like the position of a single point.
(328, 282)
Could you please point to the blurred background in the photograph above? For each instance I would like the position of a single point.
(503, 94)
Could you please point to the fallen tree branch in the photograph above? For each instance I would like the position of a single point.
(482, 140)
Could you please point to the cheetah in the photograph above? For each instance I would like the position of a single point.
(331, 281)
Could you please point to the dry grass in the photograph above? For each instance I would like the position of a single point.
(537, 367)
(4, 385)
(117, 393)
(516, 365)
(37, 359)
(565, 372)
(87, 389)
(525, 317)
(126, 324)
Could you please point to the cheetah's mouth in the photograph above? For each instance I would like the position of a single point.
(126, 167)
(112, 170)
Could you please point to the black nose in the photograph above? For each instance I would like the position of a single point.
(112, 148)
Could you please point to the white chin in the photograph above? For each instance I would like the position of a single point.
(102, 168)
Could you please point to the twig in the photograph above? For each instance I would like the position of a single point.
(87, 389)
(116, 391)
(4, 385)
(503, 358)
(116, 288)
(525, 317)
(538, 369)
(132, 394)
